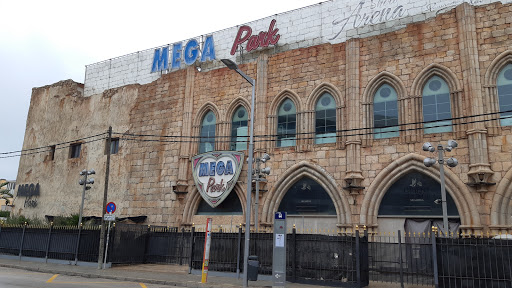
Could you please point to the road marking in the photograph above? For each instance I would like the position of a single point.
(53, 278)
(142, 285)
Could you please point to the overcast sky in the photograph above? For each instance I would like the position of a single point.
(43, 42)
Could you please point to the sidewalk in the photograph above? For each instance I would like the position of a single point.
(172, 275)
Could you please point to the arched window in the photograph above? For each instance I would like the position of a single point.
(207, 137)
(239, 130)
(325, 120)
(385, 113)
(437, 106)
(286, 124)
(416, 195)
(307, 197)
(504, 83)
(230, 206)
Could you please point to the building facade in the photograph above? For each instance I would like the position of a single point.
(346, 96)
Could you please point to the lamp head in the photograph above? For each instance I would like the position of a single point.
(265, 170)
(230, 64)
(429, 162)
(452, 162)
(90, 172)
(265, 157)
(428, 147)
(453, 143)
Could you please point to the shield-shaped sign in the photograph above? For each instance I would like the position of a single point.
(215, 174)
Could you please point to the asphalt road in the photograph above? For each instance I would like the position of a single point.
(16, 278)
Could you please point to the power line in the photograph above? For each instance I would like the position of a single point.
(263, 138)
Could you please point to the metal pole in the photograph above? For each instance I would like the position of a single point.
(256, 210)
(239, 241)
(249, 185)
(22, 239)
(401, 261)
(106, 248)
(80, 217)
(434, 258)
(446, 229)
(105, 192)
(48, 243)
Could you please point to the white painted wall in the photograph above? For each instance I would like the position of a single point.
(332, 22)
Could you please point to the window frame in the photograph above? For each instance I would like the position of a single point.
(75, 153)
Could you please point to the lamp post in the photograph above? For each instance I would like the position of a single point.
(451, 162)
(232, 65)
(84, 183)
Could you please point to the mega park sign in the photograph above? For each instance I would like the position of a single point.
(215, 174)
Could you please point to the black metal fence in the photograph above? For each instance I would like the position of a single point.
(344, 258)
(51, 242)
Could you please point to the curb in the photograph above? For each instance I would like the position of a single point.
(190, 284)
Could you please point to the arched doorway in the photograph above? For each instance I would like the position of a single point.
(308, 206)
(413, 204)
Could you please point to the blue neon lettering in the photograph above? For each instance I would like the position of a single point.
(208, 49)
(160, 59)
(203, 169)
(212, 168)
(220, 168)
(191, 52)
(229, 168)
(176, 55)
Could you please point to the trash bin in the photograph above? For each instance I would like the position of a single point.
(252, 268)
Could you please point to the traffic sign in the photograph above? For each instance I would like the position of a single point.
(280, 215)
(109, 217)
(111, 207)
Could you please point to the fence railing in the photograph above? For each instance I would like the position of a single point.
(342, 257)
(50, 242)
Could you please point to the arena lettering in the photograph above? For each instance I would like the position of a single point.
(360, 18)
(263, 39)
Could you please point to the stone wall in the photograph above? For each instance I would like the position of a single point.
(151, 174)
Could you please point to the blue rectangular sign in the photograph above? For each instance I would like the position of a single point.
(280, 215)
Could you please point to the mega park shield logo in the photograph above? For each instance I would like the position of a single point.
(215, 174)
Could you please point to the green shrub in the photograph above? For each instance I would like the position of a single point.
(66, 220)
(20, 220)
(5, 214)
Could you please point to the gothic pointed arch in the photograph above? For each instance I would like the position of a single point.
(286, 93)
(368, 101)
(455, 92)
(491, 102)
(195, 198)
(242, 106)
(197, 122)
(320, 90)
(208, 106)
(237, 102)
(295, 173)
(299, 128)
(320, 116)
(435, 70)
(501, 209)
(468, 211)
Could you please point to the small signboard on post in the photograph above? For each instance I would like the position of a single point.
(206, 255)
(279, 251)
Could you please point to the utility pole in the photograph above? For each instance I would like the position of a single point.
(105, 193)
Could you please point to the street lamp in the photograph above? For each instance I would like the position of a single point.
(84, 183)
(259, 173)
(232, 65)
(451, 162)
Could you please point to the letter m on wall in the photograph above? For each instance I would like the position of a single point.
(160, 59)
